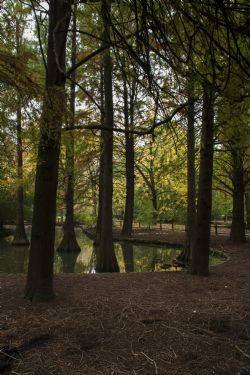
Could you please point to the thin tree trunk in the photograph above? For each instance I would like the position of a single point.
(129, 153)
(101, 168)
(200, 251)
(191, 209)
(105, 258)
(185, 255)
(237, 233)
(20, 237)
(69, 241)
(153, 187)
(39, 286)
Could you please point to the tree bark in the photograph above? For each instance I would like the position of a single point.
(39, 285)
(129, 153)
(20, 237)
(237, 233)
(69, 241)
(200, 251)
(105, 258)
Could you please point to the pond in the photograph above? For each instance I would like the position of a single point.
(131, 257)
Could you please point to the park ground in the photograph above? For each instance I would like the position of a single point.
(137, 323)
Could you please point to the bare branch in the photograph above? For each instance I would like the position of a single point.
(142, 132)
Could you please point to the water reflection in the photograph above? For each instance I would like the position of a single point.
(128, 256)
(131, 257)
(13, 259)
(68, 261)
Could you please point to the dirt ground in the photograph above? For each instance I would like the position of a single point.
(148, 323)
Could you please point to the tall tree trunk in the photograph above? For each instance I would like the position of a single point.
(200, 251)
(152, 184)
(190, 168)
(39, 286)
(129, 153)
(101, 168)
(69, 241)
(105, 258)
(20, 237)
(237, 233)
(247, 199)
(154, 203)
(185, 255)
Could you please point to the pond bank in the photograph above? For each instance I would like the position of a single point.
(174, 239)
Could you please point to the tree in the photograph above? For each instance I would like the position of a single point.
(129, 155)
(39, 285)
(20, 237)
(14, 66)
(237, 233)
(105, 257)
(200, 250)
(233, 120)
(69, 241)
(191, 188)
(101, 169)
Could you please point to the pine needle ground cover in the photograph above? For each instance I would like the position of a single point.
(147, 323)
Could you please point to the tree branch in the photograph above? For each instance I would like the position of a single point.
(143, 131)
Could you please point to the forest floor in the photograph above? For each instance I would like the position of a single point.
(135, 323)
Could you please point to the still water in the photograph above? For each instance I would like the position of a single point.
(131, 257)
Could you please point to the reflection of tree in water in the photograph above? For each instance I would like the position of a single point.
(128, 256)
(92, 261)
(68, 261)
(154, 260)
(13, 259)
(71, 265)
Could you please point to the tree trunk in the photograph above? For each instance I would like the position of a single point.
(129, 144)
(237, 233)
(190, 223)
(247, 198)
(20, 237)
(105, 258)
(200, 251)
(154, 203)
(101, 168)
(69, 241)
(191, 169)
(152, 185)
(39, 286)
